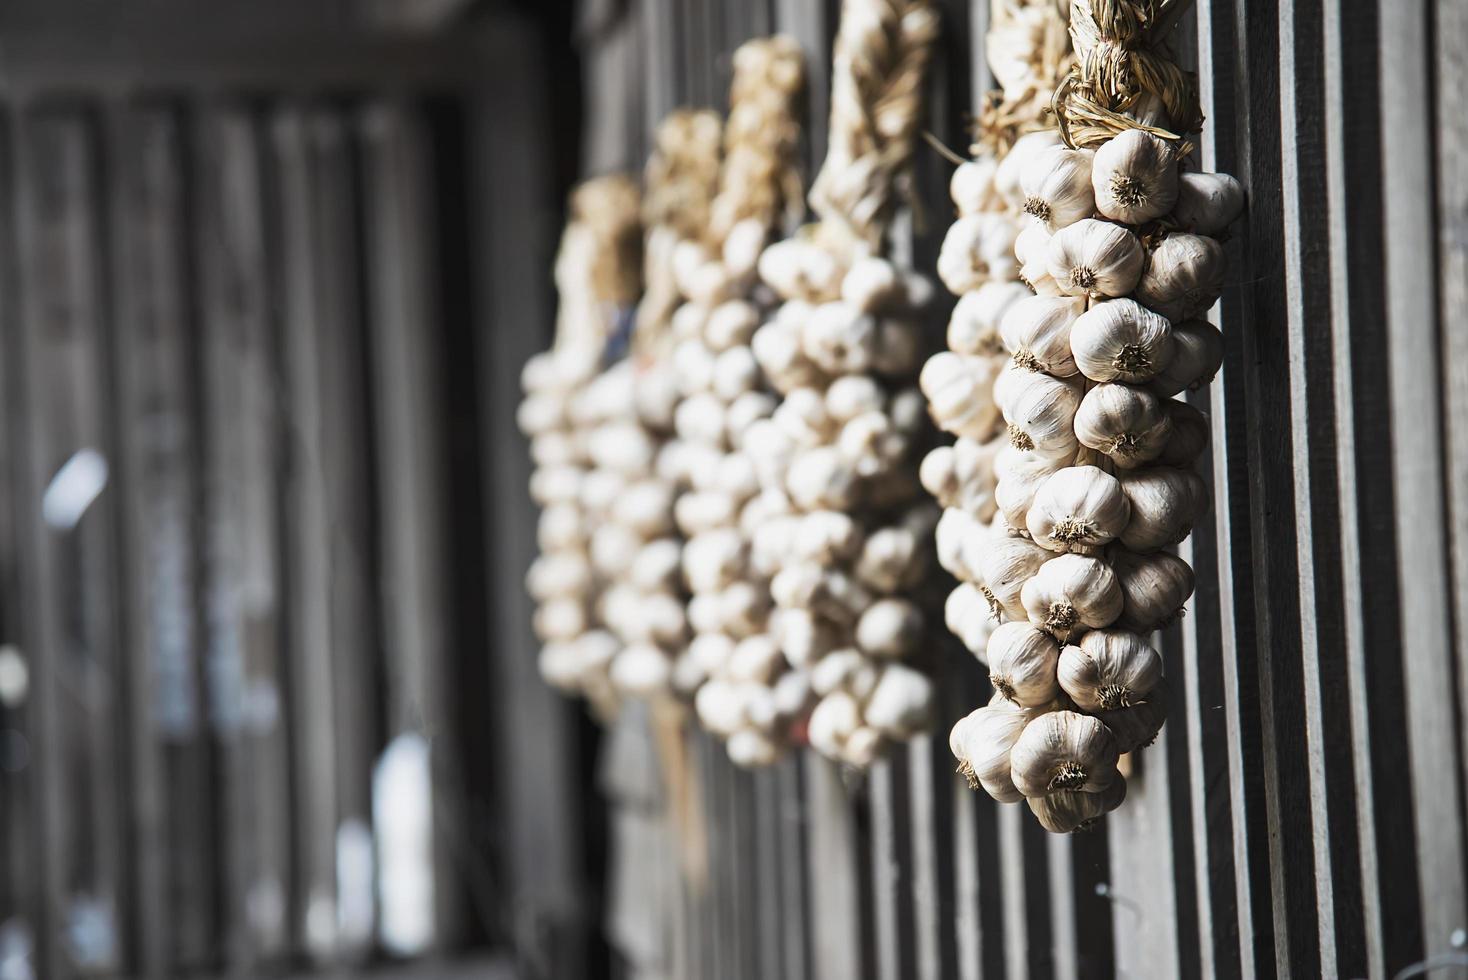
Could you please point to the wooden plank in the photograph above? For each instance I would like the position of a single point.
(536, 755)
(408, 374)
(892, 836)
(797, 915)
(809, 24)
(173, 805)
(1147, 934)
(1317, 510)
(70, 547)
(1221, 65)
(931, 782)
(22, 899)
(1449, 27)
(242, 452)
(769, 952)
(831, 854)
(308, 554)
(1413, 331)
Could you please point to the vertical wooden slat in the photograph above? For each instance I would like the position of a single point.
(1450, 27)
(1140, 835)
(408, 376)
(831, 854)
(71, 550)
(1224, 97)
(1413, 336)
(794, 885)
(308, 557)
(242, 451)
(1317, 511)
(20, 880)
(892, 837)
(155, 356)
(537, 757)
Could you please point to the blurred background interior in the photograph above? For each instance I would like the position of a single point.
(268, 701)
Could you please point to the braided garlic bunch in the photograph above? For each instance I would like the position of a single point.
(596, 276)
(1121, 254)
(629, 415)
(839, 524)
(1029, 52)
(732, 667)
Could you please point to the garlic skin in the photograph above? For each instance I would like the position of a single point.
(1041, 411)
(1165, 503)
(1063, 750)
(901, 703)
(967, 616)
(973, 327)
(1154, 588)
(1126, 423)
(1022, 664)
(959, 389)
(1095, 258)
(1184, 276)
(1018, 475)
(1070, 594)
(1071, 811)
(890, 627)
(1057, 187)
(982, 742)
(1207, 203)
(972, 187)
(1079, 508)
(1135, 177)
(1003, 568)
(751, 749)
(1197, 355)
(872, 285)
(1121, 340)
(1190, 434)
(975, 249)
(1009, 175)
(1109, 670)
(1137, 727)
(1036, 331)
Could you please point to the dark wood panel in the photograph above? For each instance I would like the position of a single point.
(242, 423)
(171, 750)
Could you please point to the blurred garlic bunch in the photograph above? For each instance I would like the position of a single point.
(839, 525)
(742, 689)
(597, 278)
(1086, 472)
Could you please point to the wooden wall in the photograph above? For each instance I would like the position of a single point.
(264, 296)
(1303, 813)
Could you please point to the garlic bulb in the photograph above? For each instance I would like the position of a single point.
(1121, 340)
(1207, 203)
(1071, 811)
(1135, 177)
(1095, 258)
(959, 388)
(1063, 750)
(1070, 594)
(1079, 508)
(890, 627)
(1109, 670)
(1190, 434)
(982, 742)
(1022, 664)
(972, 187)
(966, 614)
(1020, 161)
(1197, 354)
(1036, 332)
(1154, 588)
(973, 327)
(1184, 276)
(1041, 413)
(1018, 475)
(1165, 503)
(1057, 187)
(901, 703)
(1002, 569)
(1126, 423)
(1137, 727)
